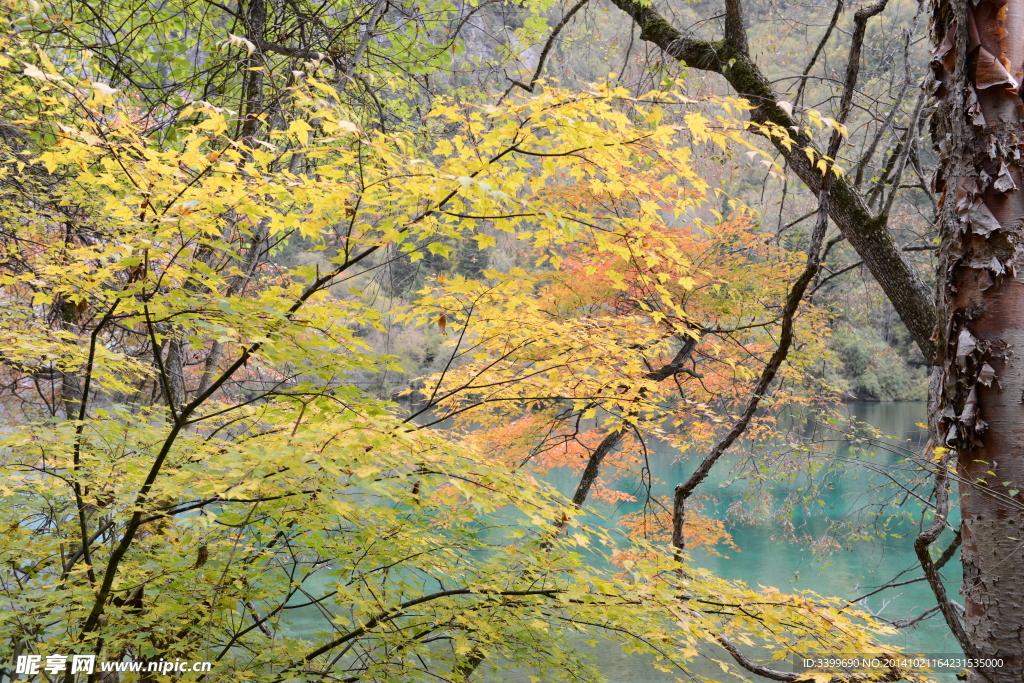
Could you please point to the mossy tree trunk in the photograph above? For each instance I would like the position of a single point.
(867, 231)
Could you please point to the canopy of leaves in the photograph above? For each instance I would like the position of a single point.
(187, 461)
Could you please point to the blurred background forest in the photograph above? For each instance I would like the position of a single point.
(802, 47)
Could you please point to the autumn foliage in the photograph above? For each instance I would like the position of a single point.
(187, 462)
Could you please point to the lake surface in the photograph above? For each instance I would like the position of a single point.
(768, 559)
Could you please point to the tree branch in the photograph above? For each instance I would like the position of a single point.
(867, 233)
(613, 438)
(294, 52)
(931, 571)
(775, 675)
(735, 29)
(548, 44)
(683, 491)
(817, 51)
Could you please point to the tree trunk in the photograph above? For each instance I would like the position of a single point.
(977, 405)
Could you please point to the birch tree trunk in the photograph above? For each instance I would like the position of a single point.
(977, 404)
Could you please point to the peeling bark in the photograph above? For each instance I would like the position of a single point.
(977, 404)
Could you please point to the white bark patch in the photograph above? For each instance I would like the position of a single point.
(990, 263)
(966, 344)
(951, 435)
(974, 107)
(1004, 182)
(986, 375)
(970, 412)
(966, 194)
(981, 220)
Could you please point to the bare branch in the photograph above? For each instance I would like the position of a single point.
(683, 491)
(931, 572)
(613, 438)
(867, 233)
(817, 51)
(548, 44)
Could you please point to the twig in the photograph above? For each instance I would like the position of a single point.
(817, 51)
(683, 491)
(612, 439)
(931, 572)
(528, 87)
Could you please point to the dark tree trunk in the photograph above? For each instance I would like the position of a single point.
(977, 405)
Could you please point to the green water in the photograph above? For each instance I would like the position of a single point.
(767, 558)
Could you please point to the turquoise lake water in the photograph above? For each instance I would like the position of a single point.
(767, 558)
